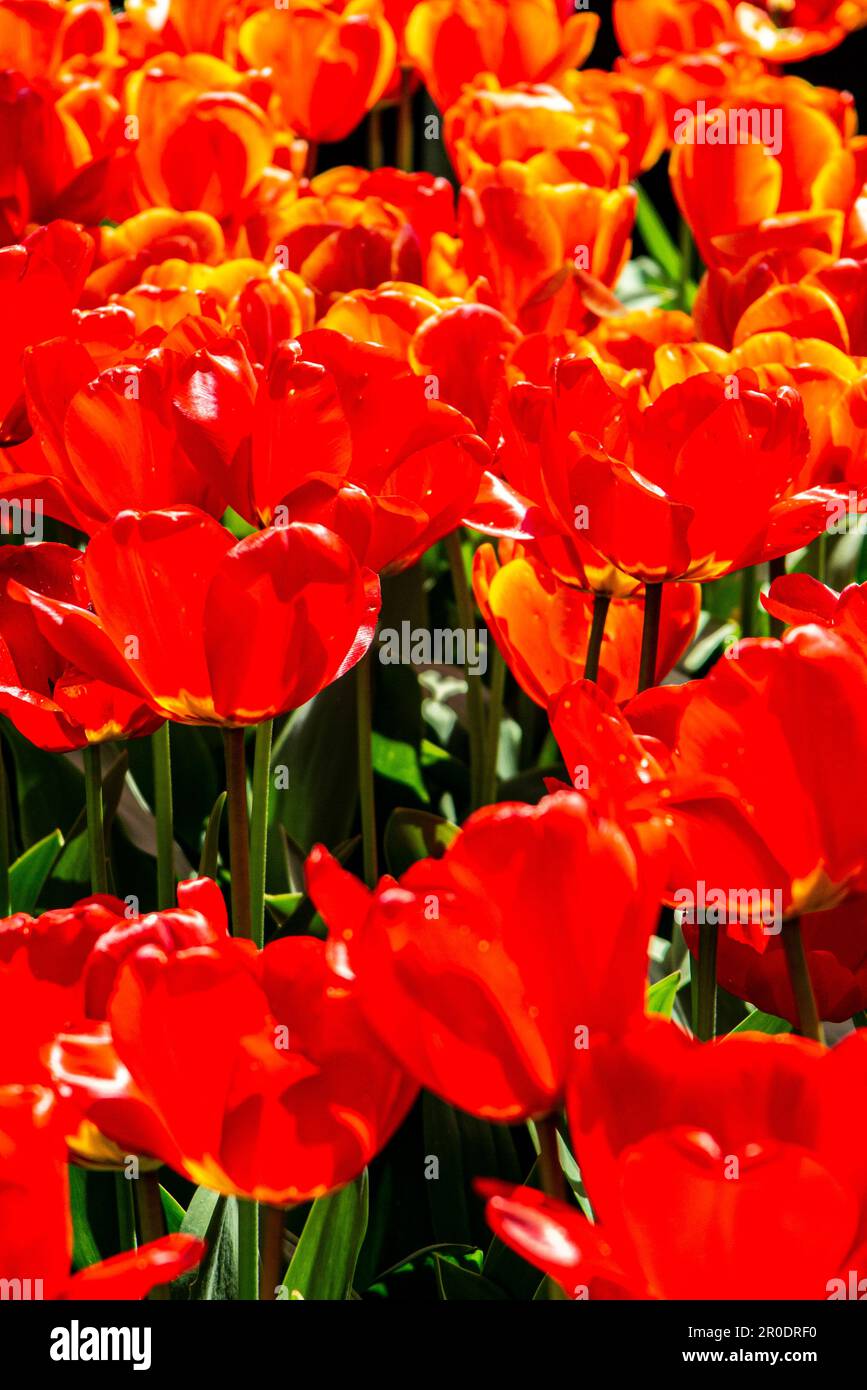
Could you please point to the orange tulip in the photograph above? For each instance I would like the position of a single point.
(792, 31)
(538, 126)
(542, 625)
(806, 293)
(780, 171)
(204, 138)
(682, 25)
(354, 229)
(452, 41)
(329, 63)
(537, 242)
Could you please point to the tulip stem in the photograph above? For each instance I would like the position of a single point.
(366, 794)
(259, 828)
(162, 755)
(95, 824)
(272, 1252)
(704, 985)
(495, 718)
(809, 1023)
(601, 604)
(650, 636)
(125, 1211)
(248, 1250)
(551, 1177)
(749, 594)
(5, 900)
(151, 1219)
(475, 705)
(776, 570)
(239, 843)
(404, 122)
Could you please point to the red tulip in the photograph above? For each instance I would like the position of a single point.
(756, 772)
(640, 485)
(835, 946)
(50, 701)
(209, 631)
(35, 1218)
(480, 985)
(111, 432)
(59, 969)
(373, 455)
(542, 624)
(750, 1138)
(42, 280)
(284, 1092)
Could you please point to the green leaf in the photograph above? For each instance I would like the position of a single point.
(323, 1265)
(643, 285)
(758, 1022)
(457, 1283)
(399, 762)
(656, 237)
(213, 1219)
(211, 846)
(31, 872)
(412, 835)
(172, 1211)
(85, 1250)
(661, 996)
(319, 749)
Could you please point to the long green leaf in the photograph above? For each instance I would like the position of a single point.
(31, 872)
(323, 1265)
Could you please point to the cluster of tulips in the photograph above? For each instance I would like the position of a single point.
(247, 402)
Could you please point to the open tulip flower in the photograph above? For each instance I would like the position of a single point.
(452, 41)
(52, 701)
(449, 942)
(770, 1113)
(34, 1186)
(294, 1093)
(433, 661)
(542, 625)
(103, 410)
(340, 433)
(744, 804)
(264, 624)
(644, 485)
(42, 281)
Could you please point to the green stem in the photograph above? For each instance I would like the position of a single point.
(162, 756)
(5, 899)
(809, 1023)
(475, 704)
(776, 569)
(239, 842)
(151, 1219)
(404, 122)
(601, 604)
(95, 824)
(125, 1211)
(272, 1252)
(259, 828)
(551, 1176)
(704, 988)
(650, 636)
(248, 1251)
(495, 719)
(366, 794)
(749, 597)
